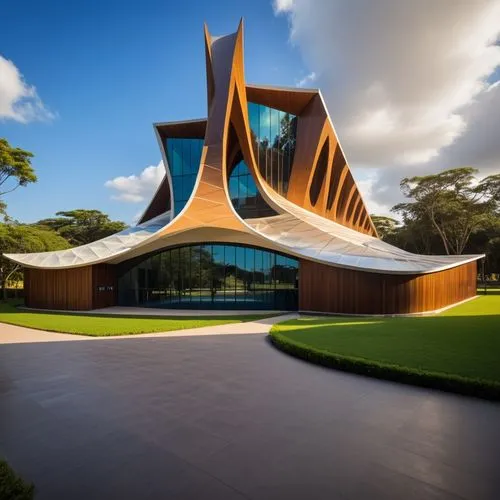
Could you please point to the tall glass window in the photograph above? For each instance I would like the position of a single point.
(211, 276)
(245, 197)
(274, 134)
(183, 156)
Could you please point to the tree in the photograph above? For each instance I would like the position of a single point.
(386, 226)
(20, 238)
(82, 226)
(493, 255)
(453, 203)
(15, 168)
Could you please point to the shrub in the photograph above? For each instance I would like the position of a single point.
(12, 487)
(446, 382)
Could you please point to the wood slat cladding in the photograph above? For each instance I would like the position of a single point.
(329, 289)
(104, 286)
(70, 289)
(327, 189)
(59, 288)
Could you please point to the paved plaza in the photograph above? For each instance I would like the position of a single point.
(230, 417)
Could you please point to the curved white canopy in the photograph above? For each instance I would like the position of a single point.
(294, 231)
(96, 252)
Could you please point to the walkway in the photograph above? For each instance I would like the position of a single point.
(11, 334)
(230, 417)
(157, 311)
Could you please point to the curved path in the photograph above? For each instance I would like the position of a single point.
(230, 417)
(12, 334)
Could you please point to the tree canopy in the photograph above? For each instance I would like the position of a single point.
(70, 228)
(452, 204)
(82, 226)
(22, 238)
(386, 226)
(15, 167)
(451, 211)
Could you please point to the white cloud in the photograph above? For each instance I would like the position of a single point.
(308, 79)
(18, 100)
(480, 146)
(282, 6)
(408, 84)
(367, 182)
(398, 77)
(137, 188)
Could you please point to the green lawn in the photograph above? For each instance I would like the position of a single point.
(461, 343)
(101, 326)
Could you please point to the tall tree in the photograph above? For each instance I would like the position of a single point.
(493, 256)
(386, 226)
(453, 203)
(82, 226)
(15, 168)
(19, 238)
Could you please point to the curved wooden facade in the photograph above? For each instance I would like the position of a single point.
(77, 289)
(344, 268)
(327, 289)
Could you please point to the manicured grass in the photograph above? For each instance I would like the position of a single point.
(457, 350)
(12, 487)
(105, 325)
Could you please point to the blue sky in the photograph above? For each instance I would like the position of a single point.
(411, 91)
(108, 70)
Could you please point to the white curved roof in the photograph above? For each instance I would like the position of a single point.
(305, 234)
(294, 231)
(343, 247)
(97, 251)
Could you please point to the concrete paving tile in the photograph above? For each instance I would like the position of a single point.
(228, 416)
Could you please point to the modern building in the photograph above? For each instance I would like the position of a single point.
(257, 210)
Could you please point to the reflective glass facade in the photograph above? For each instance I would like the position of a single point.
(211, 276)
(246, 199)
(274, 133)
(183, 156)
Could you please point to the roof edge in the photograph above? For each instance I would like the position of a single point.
(284, 88)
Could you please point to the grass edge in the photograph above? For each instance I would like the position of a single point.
(121, 334)
(484, 389)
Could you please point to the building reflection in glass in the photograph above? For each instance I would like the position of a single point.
(211, 276)
(274, 136)
(183, 156)
(245, 197)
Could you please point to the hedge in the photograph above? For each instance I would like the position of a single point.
(13, 487)
(452, 383)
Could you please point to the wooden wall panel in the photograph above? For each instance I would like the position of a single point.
(329, 289)
(104, 286)
(59, 288)
(70, 289)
